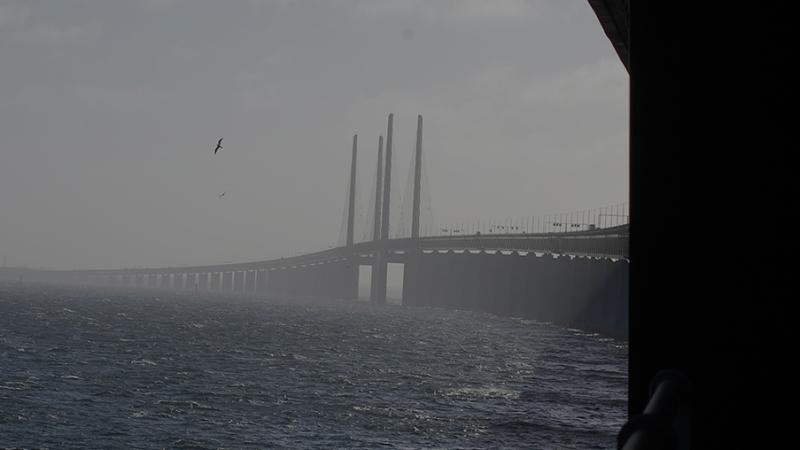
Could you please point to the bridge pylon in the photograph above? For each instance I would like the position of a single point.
(379, 265)
(417, 181)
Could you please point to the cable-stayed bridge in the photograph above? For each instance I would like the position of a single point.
(570, 269)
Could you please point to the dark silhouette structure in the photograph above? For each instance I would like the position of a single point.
(711, 88)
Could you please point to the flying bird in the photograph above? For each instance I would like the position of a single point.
(219, 146)
(221, 195)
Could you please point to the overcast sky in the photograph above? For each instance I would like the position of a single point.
(109, 113)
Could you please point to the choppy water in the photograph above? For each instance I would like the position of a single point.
(111, 368)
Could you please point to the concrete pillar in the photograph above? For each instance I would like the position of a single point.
(227, 281)
(296, 281)
(487, 276)
(426, 279)
(376, 230)
(519, 279)
(272, 280)
(454, 264)
(301, 284)
(379, 273)
(351, 278)
(417, 181)
(533, 287)
(442, 265)
(250, 281)
(458, 272)
(288, 282)
(471, 279)
(339, 280)
(505, 282)
(351, 204)
(562, 307)
(387, 181)
(214, 282)
(203, 282)
(411, 278)
(311, 280)
(282, 281)
(571, 290)
(494, 277)
(319, 273)
(261, 281)
(378, 294)
(327, 282)
(283, 285)
(239, 281)
(585, 289)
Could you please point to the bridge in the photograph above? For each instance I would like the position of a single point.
(535, 268)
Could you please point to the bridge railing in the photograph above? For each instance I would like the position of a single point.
(610, 216)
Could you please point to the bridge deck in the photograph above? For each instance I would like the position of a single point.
(606, 242)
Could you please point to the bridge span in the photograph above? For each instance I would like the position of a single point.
(576, 279)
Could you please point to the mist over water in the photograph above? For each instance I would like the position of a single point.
(104, 367)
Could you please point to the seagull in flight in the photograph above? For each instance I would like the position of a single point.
(219, 146)
(221, 195)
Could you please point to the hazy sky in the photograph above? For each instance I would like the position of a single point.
(109, 113)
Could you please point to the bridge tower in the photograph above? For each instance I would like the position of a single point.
(376, 230)
(351, 201)
(413, 286)
(376, 225)
(417, 181)
(351, 264)
(379, 266)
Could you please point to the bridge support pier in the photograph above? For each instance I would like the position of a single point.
(379, 277)
(227, 281)
(440, 280)
(271, 282)
(519, 285)
(411, 278)
(426, 279)
(312, 283)
(250, 281)
(214, 283)
(349, 281)
(261, 281)
(290, 283)
(239, 281)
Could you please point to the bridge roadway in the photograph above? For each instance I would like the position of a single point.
(511, 274)
(605, 243)
(505, 274)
